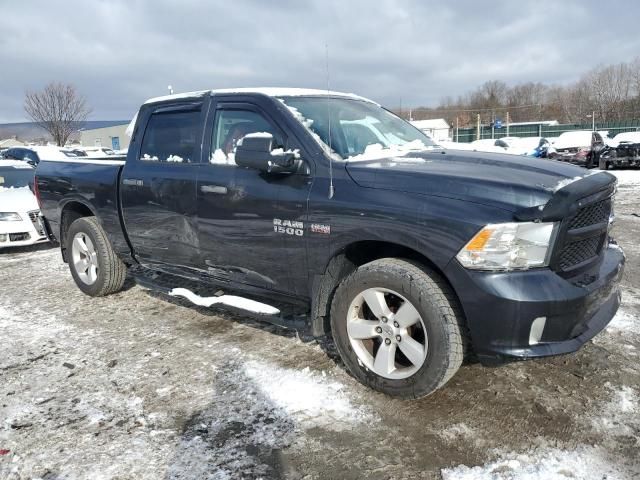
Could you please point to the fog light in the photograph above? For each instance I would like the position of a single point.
(537, 327)
(3, 237)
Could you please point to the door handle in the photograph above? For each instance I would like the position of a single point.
(219, 189)
(135, 182)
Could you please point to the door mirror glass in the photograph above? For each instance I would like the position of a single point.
(256, 151)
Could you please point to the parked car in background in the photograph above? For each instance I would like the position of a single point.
(581, 147)
(22, 154)
(531, 146)
(97, 152)
(623, 151)
(20, 220)
(33, 155)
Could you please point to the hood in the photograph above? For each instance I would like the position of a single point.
(506, 181)
(19, 199)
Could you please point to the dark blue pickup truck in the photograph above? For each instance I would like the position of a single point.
(325, 210)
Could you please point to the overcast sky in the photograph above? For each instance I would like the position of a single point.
(120, 52)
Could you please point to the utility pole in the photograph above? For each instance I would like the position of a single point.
(478, 128)
(507, 123)
(457, 127)
(593, 121)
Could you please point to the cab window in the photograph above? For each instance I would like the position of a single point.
(230, 126)
(172, 137)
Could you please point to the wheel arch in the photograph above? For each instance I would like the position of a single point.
(344, 262)
(70, 212)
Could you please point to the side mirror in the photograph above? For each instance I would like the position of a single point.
(255, 150)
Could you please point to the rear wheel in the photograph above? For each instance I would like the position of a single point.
(94, 266)
(398, 328)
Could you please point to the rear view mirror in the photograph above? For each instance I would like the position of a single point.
(255, 150)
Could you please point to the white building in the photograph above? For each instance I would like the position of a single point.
(11, 142)
(436, 128)
(113, 137)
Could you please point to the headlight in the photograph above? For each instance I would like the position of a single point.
(9, 217)
(509, 246)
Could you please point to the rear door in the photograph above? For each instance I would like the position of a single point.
(158, 185)
(242, 212)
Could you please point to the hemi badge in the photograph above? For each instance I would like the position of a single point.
(319, 228)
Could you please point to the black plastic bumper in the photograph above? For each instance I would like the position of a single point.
(500, 308)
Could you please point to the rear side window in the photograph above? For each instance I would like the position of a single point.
(172, 137)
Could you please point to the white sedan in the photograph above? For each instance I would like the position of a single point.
(20, 220)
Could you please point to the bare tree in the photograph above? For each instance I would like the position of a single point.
(59, 109)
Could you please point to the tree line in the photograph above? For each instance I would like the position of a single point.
(610, 92)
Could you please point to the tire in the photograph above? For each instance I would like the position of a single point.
(95, 267)
(603, 164)
(440, 328)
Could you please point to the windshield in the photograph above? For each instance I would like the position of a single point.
(11, 177)
(358, 128)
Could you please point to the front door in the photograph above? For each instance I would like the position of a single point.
(242, 211)
(158, 187)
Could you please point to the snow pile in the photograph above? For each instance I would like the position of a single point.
(218, 157)
(15, 164)
(311, 399)
(548, 464)
(620, 416)
(229, 300)
(377, 151)
(456, 432)
(627, 179)
(148, 157)
(624, 321)
(565, 182)
(175, 159)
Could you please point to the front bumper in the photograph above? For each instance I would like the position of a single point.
(501, 307)
(24, 232)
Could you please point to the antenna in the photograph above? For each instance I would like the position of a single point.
(331, 189)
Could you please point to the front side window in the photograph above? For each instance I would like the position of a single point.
(172, 137)
(355, 127)
(230, 126)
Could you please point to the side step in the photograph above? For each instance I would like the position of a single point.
(204, 295)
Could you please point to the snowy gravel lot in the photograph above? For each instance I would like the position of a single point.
(143, 386)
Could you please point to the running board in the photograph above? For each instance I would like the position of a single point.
(159, 282)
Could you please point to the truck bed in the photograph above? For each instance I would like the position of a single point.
(87, 182)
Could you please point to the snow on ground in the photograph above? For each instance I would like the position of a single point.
(544, 464)
(312, 399)
(627, 179)
(620, 415)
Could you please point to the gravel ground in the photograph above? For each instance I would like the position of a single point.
(139, 385)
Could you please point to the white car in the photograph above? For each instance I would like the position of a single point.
(97, 152)
(20, 220)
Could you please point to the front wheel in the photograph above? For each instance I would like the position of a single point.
(398, 328)
(94, 266)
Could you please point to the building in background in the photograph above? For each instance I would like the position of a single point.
(436, 128)
(11, 142)
(112, 136)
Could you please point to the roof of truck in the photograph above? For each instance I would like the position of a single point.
(269, 91)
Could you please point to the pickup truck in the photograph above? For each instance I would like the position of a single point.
(324, 210)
